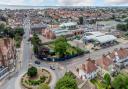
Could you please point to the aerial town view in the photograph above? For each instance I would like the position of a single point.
(63, 44)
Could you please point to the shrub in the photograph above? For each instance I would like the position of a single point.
(32, 71)
(43, 86)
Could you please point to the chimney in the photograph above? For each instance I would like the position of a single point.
(109, 52)
(121, 48)
(83, 67)
(103, 55)
(89, 59)
(93, 61)
(6, 41)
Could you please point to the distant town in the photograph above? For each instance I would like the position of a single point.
(64, 47)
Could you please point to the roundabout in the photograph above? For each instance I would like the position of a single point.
(44, 76)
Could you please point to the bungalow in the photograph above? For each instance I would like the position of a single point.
(88, 70)
(105, 64)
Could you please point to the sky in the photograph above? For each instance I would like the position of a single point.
(66, 2)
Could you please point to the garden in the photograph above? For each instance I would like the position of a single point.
(107, 82)
(35, 78)
(59, 50)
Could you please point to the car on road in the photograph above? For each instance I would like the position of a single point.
(37, 62)
(52, 68)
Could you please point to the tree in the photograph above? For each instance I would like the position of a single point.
(61, 46)
(122, 27)
(32, 71)
(120, 82)
(36, 40)
(19, 31)
(43, 86)
(67, 82)
(113, 17)
(81, 20)
(107, 81)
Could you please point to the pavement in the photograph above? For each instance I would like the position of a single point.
(26, 55)
(23, 65)
(24, 62)
(73, 63)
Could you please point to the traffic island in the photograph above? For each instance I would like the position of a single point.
(34, 77)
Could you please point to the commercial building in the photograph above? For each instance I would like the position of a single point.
(65, 29)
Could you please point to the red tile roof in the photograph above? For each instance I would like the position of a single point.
(104, 62)
(89, 66)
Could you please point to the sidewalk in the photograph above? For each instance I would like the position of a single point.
(10, 73)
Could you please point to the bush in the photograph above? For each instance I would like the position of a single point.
(43, 86)
(43, 78)
(32, 71)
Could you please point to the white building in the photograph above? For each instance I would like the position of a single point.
(92, 35)
(88, 70)
(105, 38)
(69, 25)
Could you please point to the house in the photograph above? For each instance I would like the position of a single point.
(119, 55)
(105, 64)
(7, 52)
(88, 70)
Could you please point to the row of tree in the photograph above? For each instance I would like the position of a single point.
(36, 43)
(16, 33)
(122, 27)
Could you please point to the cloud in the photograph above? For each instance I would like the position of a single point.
(21, 2)
(36, 2)
(76, 2)
(12, 2)
(117, 1)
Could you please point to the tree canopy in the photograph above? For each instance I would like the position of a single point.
(120, 82)
(67, 82)
(61, 46)
(81, 20)
(32, 71)
(122, 27)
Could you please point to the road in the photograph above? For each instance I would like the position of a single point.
(71, 64)
(58, 73)
(23, 65)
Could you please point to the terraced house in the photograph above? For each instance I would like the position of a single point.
(7, 55)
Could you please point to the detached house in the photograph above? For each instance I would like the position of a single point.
(88, 70)
(105, 64)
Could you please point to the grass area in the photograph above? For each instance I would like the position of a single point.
(98, 83)
(70, 50)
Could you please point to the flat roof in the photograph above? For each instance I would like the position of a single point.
(68, 24)
(92, 35)
(105, 38)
